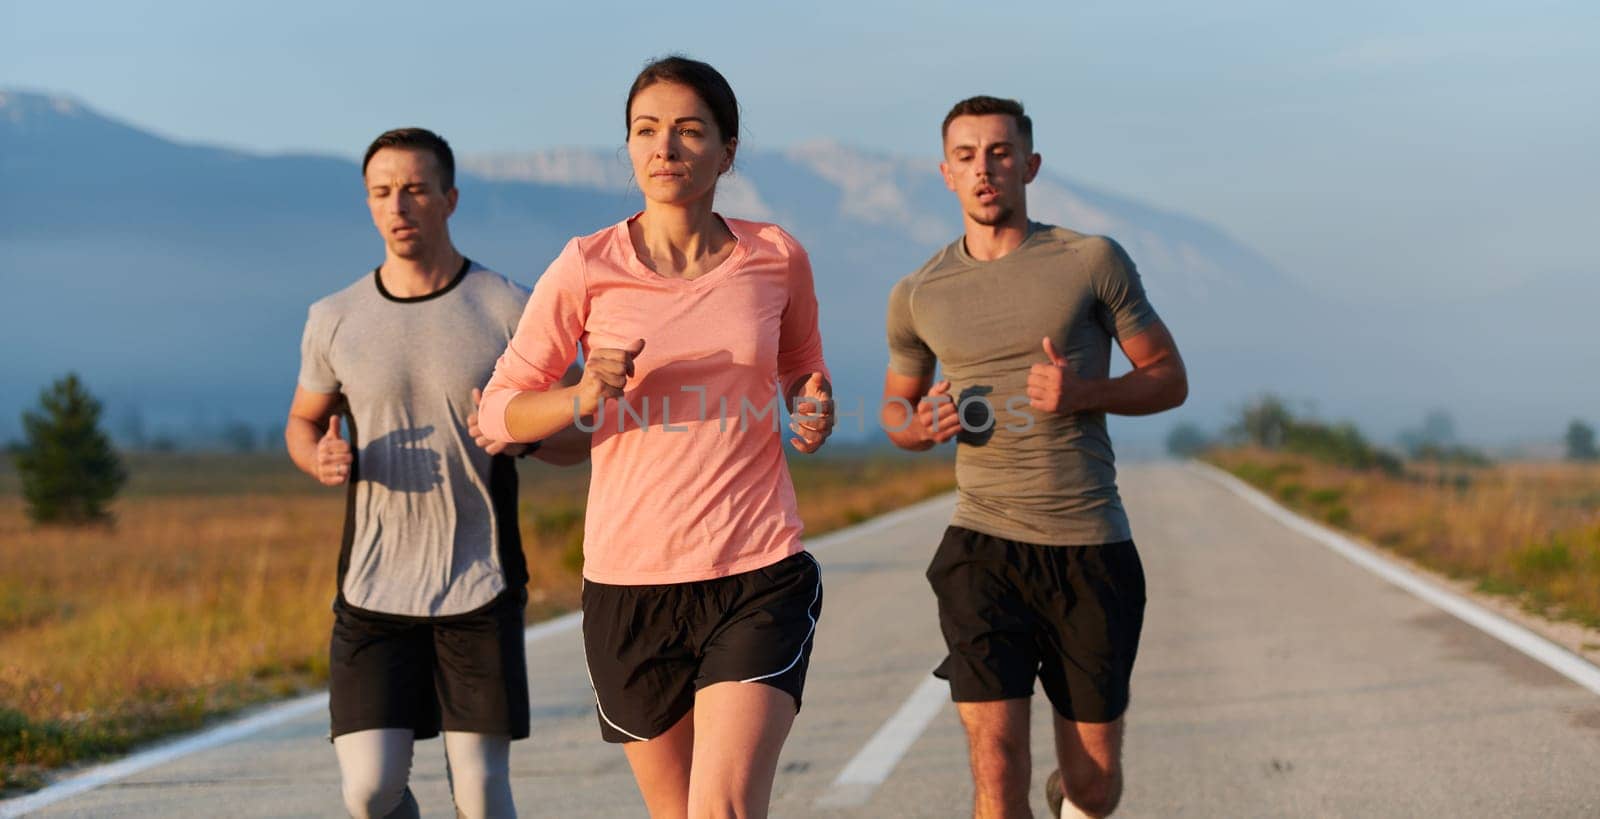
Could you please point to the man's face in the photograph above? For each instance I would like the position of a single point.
(409, 205)
(988, 164)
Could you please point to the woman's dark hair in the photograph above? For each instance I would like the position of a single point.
(708, 84)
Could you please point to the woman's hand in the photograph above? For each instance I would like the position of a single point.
(812, 419)
(605, 375)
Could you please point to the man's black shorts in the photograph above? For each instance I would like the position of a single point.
(1011, 611)
(650, 648)
(465, 673)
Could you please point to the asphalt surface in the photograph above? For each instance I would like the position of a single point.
(1275, 678)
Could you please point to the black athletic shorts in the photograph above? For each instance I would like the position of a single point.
(1010, 612)
(464, 673)
(650, 648)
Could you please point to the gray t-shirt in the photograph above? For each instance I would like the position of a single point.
(1031, 476)
(430, 527)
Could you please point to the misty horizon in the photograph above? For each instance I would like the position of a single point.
(1196, 273)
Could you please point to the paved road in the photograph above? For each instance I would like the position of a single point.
(1275, 679)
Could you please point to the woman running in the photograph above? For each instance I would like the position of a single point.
(699, 601)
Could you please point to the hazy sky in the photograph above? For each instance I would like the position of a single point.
(1417, 147)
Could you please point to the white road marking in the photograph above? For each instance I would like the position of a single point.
(1558, 659)
(877, 759)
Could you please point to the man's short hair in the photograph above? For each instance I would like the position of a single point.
(417, 139)
(981, 105)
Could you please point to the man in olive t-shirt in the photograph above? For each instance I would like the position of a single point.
(1037, 577)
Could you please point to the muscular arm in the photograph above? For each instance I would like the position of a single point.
(305, 430)
(1157, 382)
(933, 419)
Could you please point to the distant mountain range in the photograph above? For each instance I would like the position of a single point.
(175, 277)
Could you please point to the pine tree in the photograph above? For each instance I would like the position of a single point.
(69, 470)
(1580, 442)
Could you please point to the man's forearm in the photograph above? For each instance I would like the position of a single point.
(1143, 391)
(300, 435)
(909, 442)
(901, 427)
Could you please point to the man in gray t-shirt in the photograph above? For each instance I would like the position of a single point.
(428, 629)
(1037, 576)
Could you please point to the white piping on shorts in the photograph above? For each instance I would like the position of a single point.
(597, 706)
(809, 634)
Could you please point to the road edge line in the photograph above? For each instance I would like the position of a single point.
(1530, 643)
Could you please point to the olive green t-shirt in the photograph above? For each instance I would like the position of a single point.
(1023, 474)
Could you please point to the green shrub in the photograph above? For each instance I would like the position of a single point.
(1325, 496)
(1542, 559)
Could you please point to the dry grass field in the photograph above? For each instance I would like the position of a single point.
(1527, 530)
(211, 590)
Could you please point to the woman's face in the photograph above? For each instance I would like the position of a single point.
(676, 148)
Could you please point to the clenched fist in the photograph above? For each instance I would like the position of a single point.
(937, 419)
(333, 456)
(605, 375)
(1054, 387)
(812, 422)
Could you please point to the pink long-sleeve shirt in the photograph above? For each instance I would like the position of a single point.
(689, 480)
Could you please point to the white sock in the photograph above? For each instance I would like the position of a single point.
(1070, 811)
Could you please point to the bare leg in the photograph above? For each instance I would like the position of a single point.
(997, 744)
(1090, 755)
(374, 767)
(739, 732)
(661, 767)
